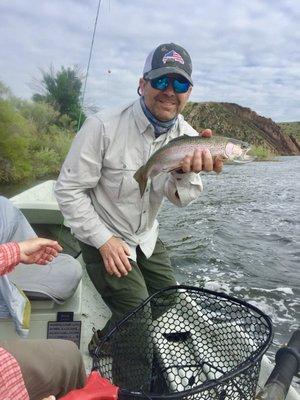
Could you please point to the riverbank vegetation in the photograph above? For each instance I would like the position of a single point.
(261, 153)
(34, 139)
(36, 135)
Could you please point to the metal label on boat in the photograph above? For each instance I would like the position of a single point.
(65, 330)
(65, 316)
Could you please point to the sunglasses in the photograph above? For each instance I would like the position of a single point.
(180, 85)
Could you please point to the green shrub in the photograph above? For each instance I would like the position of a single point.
(61, 143)
(42, 115)
(34, 139)
(46, 162)
(57, 141)
(262, 153)
(14, 144)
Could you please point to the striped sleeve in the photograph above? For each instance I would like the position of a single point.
(12, 385)
(9, 257)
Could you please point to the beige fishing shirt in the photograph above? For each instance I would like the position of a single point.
(96, 191)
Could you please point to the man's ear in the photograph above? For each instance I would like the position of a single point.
(142, 84)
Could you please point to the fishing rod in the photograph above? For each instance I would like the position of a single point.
(287, 365)
(89, 62)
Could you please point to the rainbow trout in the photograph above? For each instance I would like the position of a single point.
(168, 157)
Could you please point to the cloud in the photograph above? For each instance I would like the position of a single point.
(243, 52)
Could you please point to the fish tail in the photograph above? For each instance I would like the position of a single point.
(141, 177)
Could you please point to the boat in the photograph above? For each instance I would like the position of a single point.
(84, 309)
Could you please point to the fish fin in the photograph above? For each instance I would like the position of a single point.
(141, 179)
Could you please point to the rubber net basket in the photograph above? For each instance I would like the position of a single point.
(186, 343)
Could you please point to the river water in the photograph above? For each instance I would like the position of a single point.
(241, 237)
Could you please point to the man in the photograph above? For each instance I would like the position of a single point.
(100, 199)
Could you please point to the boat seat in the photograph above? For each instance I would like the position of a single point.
(57, 280)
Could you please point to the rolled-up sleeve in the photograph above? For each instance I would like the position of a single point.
(80, 173)
(182, 189)
(9, 257)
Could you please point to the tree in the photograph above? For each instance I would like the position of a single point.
(62, 89)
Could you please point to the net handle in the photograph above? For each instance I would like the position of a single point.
(287, 366)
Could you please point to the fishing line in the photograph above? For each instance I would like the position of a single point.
(89, 62)
(84, 89)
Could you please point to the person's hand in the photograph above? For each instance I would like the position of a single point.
(202, 160)
(115, 254)
(38, 251)
(49, 398)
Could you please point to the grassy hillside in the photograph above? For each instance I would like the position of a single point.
(291, 128)
(232, 120)
(222, 121)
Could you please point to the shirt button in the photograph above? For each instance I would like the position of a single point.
(144, 212)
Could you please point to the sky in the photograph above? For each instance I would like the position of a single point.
(243, 51)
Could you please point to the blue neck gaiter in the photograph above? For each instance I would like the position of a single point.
(160, 127)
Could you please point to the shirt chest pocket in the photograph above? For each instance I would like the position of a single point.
(120, 185)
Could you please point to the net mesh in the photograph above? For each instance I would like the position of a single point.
(186, 343)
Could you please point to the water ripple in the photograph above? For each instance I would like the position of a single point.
(242, 237)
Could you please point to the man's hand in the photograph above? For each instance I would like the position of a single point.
(38, 251)
(115, 254)
(202, 160)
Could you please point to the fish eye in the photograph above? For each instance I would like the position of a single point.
(244, 145)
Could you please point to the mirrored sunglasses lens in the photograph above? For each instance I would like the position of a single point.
(181, 86)
(160, 83)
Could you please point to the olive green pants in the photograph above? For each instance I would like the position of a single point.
(121, 295)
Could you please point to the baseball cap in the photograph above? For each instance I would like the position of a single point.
(168, 58)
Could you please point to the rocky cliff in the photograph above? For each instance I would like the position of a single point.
(229, 119)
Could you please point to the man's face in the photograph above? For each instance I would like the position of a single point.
(163, 104)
